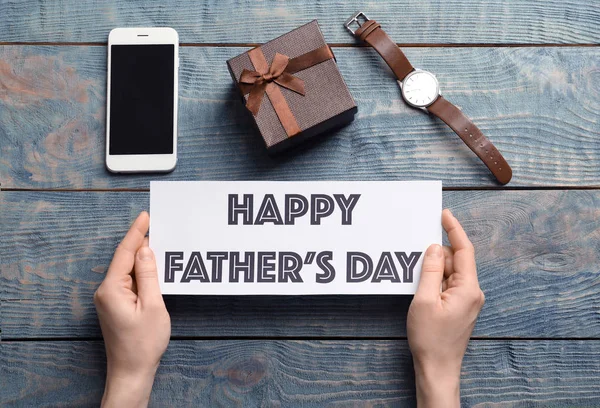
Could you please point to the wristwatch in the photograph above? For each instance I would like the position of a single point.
(420, 89)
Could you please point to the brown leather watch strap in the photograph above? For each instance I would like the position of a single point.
(371, 33)
(472, 136)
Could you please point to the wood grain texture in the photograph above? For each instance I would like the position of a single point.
(540, 106)
(538, 255)
(247, 21)
(307, 374)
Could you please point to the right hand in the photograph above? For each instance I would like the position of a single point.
(440, 324)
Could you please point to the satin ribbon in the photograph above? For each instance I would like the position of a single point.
(267, 79)
(261, 81)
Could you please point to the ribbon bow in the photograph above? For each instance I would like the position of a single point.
(263, 82)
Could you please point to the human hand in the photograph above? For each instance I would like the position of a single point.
(440, 324)
(134, 320)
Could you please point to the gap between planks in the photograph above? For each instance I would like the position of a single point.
(339, 45)
(146, 190)
(294, 338)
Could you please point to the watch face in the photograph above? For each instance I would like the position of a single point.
(420, 89)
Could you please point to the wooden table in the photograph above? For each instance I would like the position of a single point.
(527, 72)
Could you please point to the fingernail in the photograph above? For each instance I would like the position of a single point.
(434, 250)
(145, 254)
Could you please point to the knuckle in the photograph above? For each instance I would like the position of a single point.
(430, 267)
(477, 298)
(470, 247)
(146, 273)
(99, 295)
(145, 269)
(123, 248)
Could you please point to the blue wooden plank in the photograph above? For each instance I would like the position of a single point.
(537, 252)
(307, 374)
(247, 21)
(540, 106)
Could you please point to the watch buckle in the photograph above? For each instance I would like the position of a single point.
(355, 19)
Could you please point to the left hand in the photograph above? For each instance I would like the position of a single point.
(134, 320)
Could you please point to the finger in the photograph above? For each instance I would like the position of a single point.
(432, 273)
(124, 257)
(463, 260)
(449, 262)
(456, 234)
(146, 277)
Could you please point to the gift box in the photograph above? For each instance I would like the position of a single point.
(293, 88)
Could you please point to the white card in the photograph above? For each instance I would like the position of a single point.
(292, 238)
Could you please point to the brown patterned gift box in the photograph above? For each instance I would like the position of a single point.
(293, 88)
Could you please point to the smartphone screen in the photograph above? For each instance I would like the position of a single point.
(141, 99)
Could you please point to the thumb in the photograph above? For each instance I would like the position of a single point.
(432, 272)
(146, 276)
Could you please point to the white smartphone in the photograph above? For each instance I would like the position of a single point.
(141, 107)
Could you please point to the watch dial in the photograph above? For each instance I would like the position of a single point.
(420, 88)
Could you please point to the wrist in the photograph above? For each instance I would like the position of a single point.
(437, 386)
(127, 389)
